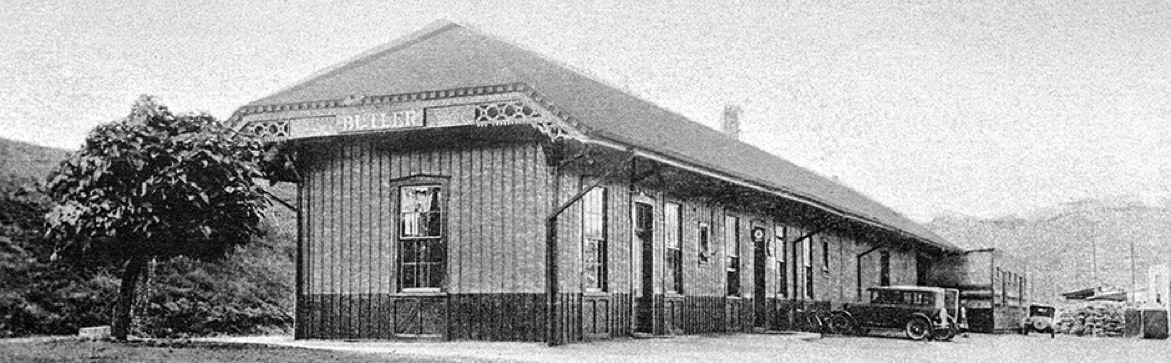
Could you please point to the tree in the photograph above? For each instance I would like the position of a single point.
(155, 185)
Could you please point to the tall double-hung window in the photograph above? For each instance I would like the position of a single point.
(732, 248)
(825, 253)
(421, 240)
(782, 270)
(807, 261)
(594, 240)
(703, 242)
(673, 234)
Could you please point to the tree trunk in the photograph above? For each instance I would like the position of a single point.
(123, 311)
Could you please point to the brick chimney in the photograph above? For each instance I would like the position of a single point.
(731, 125)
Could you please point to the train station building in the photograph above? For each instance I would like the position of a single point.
(453, 185)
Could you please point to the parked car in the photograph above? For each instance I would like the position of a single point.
(1040, 320)
(921, 312)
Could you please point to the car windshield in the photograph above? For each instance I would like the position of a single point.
(1044, 311)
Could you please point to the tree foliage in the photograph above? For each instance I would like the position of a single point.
(160, 185)
(156, 185)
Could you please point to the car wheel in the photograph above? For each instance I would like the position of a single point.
(918, 329)
(841, 324)
(949, 333)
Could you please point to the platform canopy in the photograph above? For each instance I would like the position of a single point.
(450, 56)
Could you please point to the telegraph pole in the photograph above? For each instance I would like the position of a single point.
(1133, 287)
(1094, 253)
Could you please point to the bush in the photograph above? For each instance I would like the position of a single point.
(249, 292)
(37, 296)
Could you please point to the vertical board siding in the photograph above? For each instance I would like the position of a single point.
(495, 237)
(497, 198)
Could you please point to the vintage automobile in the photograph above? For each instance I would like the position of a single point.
(921, 312)
(1040, 320)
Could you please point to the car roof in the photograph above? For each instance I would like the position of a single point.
(908, 288)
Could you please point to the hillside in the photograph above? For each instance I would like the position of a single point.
(1060, 240)
(249, 292)
(26, 161)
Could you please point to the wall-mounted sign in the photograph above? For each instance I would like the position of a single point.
(378, 121)
(355, 120)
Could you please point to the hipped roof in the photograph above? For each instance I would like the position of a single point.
(447, 55)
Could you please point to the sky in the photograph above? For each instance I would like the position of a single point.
(978, 108)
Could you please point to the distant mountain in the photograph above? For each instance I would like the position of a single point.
(24, 161)
(1061, 242)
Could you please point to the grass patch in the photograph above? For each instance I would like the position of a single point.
(72, 350)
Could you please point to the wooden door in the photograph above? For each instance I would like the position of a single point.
(759, 292)
(644, 238)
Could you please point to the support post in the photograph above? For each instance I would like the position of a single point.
(796, 242)
(858, 266)
(551, 273)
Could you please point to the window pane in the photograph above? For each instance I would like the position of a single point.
(825, 253)
(782, 278)
(781, 242)
(408, 275)
(705, 247)
(419, 210)
(593, 267)
(732, 236)
(408, 252)
(807, 250)
(671, 221)
(677, 269)
(434, 252)
(594, 212)
(434, 274)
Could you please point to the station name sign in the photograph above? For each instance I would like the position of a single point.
(357, 120)
(378, 121)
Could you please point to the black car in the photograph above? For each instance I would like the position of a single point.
(1040, 320)
(919, 311)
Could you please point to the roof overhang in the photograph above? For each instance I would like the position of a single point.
(363, 115)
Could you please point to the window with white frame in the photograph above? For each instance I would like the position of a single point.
(421, 241)
(825, 254)
(807, 261)
(594, 240)
(673, 236)
(782, 269)
(732, 251)
(704, 242)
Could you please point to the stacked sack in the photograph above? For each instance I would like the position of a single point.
(1096, 318)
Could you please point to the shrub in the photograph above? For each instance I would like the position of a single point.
(36, 296)
(249, 292)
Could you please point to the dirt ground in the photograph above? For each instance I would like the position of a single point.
(780, 348)
(715, 348)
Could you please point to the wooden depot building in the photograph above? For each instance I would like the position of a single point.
(456, 186)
